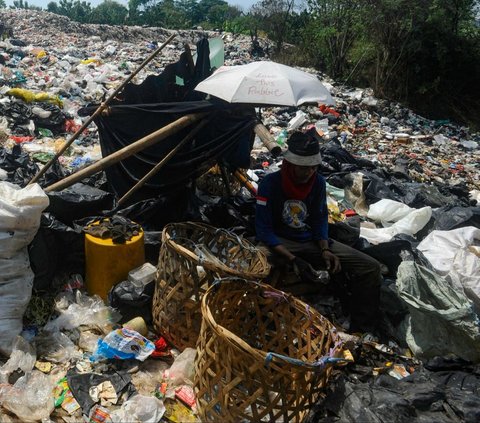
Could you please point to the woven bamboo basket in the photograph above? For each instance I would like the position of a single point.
(191, 257)
(262, 355)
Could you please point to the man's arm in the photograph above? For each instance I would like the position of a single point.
(264, 215)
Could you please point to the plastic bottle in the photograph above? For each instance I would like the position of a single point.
(282, 138)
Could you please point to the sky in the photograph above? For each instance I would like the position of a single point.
(244, 4)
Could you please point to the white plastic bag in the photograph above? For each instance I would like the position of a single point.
(30, 399)
(84, 311)
(140, 408)
(23, 357)
(182, 370)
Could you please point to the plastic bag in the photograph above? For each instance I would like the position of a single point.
(182, 370)
(140, 408)
(56, 347)
(23, 357)
(123, 344)
(30, 398)
(84, 311)
(441, 319)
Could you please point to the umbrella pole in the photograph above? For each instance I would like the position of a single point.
(162, 163)
(98, 111)
(127, 151)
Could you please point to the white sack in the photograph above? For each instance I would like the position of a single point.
(408, 225)
(449, 254)
(16, 281)
(20, 213)
(21, 208)
(388, 211)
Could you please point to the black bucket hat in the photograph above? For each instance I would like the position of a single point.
(303, 149)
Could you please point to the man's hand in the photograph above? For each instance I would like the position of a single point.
(332, 262)
(305, 271)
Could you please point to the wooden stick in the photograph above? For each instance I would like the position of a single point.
(98, 111)
(267, 138)
(162, 163)
(127, 151)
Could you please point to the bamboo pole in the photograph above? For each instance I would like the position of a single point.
(245, 182)
(267, 138)
(162, 163)
(98, 111)
(127, 151)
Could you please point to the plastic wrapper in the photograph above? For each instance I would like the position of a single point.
(123, 344)
(140, 408)
(30, 398)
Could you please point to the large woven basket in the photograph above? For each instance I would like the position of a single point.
(262, 354)
(191, 257)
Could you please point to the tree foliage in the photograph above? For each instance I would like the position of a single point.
(20, 4)
(109, 12)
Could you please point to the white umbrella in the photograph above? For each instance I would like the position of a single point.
(265, 83)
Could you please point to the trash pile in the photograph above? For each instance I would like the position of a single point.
(402, 188)
(52, 67)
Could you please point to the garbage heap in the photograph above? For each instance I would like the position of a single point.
(402, 188)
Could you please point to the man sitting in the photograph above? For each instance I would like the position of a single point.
(292, 220)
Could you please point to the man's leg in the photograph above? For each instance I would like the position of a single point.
(363, 271)
(365, 281)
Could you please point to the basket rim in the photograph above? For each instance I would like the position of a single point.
(235, 340)
(167, 240)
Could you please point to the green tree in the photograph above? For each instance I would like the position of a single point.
(109, 12)
(2, 4)
(190, 11)
(275, 17)
(332, 29)
(53, 8)
(20, 4)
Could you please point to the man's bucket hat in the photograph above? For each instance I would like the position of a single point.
(303, 150)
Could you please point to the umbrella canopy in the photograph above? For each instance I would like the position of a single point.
(265, 83)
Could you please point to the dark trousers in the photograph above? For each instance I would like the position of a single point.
(358, 284)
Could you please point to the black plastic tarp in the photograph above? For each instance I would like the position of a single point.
(139, 110)
(228, 137)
